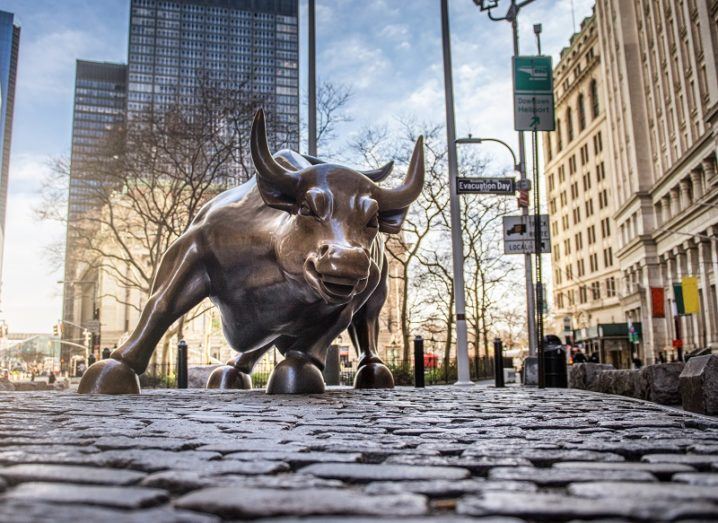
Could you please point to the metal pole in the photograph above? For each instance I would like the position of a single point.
(530, 308)
(182, 364)
(498, 363)
(462, 350)
(537, 231)
(312, 84)
(419, 362)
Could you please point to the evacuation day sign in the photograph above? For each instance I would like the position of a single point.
(533, 93)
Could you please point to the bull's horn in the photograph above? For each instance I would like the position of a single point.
(268, 170)
(377, 175)
(402, 196)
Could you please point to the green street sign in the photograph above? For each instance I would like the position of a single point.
(533, 93)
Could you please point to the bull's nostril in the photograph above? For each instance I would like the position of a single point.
(323, 250)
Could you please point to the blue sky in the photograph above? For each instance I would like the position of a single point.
(388, 51)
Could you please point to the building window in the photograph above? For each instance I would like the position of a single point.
(591, 233)
(559, 142)
(594, 99)
(569, 125)
(548, 146)
(608, 257)
(610, 287)
(581, 113)
(596, 290)
(582, 294)
(580, 268)
(593, 260)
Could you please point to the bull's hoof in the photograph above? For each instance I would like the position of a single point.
(373, 376)
(228, 377)
(109, 376)
(296, 375)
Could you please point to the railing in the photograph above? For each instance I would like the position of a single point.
(436, 372)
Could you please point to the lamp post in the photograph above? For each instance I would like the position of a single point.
(511, 16)
(457, 249)
(470, 139)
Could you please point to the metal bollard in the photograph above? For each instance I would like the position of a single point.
(498, 363)
(419, 362)
(182, 364)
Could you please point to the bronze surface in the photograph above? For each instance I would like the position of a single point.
(291, 258)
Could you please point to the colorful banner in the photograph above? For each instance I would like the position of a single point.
(691, 301)
(678, 299)
(658, 302)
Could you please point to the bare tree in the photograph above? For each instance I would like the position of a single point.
(146, 182)
(375, 146)
(332, 99)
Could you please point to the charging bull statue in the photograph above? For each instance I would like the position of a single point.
(291, 258)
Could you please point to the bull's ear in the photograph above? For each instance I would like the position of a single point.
(391, 221)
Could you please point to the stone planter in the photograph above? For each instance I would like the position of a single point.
(583, 375)
(699, 385)
(660, 383)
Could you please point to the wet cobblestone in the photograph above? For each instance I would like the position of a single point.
(439, 454)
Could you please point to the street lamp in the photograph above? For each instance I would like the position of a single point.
(470, 139)
(511, 16)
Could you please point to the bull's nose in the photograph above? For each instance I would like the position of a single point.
(339, 262)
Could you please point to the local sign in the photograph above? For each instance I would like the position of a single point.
(519, 236)
(533, 93)
(486, 185)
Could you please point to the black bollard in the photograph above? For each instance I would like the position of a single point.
(498, 363)
(419, 362)
(182, 364)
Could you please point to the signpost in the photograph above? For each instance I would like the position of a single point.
(498, 185)
(520, 237)
(533, 93)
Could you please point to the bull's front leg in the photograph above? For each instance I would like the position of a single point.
(181, 283)
(364, 333)
(304, 359)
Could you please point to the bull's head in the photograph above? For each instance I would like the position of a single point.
(336, 213)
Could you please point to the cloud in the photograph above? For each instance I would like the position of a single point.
(30, 293)
(47, 64)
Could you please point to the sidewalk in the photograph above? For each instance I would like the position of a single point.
(438, 454)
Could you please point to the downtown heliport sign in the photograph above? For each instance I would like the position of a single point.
(533, 93)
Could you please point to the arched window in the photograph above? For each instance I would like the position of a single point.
(569, 125)
(594, 99)
(559, 142)
(581, 113)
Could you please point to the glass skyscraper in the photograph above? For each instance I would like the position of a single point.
(248, 45)
(100, 105)
(9, 46)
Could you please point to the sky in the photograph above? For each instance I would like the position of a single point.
(387, 51)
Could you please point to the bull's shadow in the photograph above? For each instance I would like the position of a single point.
(291, 258)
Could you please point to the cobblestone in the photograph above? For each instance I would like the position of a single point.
(442, 454)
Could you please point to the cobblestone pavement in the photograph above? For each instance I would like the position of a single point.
(439, 454)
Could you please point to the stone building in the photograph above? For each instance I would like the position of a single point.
(581, 205)
(659, 72)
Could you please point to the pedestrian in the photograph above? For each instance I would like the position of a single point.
(579, 357)
(51, 378)
(637, 362)
(594, 358)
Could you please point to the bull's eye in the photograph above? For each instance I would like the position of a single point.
(305, 210)
(373, 222)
